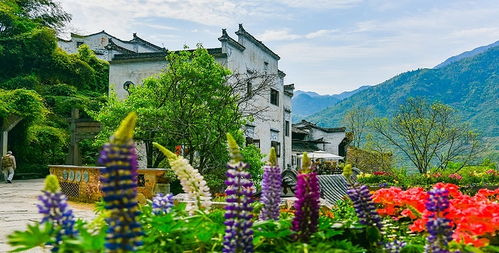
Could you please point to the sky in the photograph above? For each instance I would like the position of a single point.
(326, 46)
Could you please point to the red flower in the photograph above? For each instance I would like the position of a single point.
(473, 216)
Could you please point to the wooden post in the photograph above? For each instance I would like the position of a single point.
(74, 152)
(3, 142)
(7, 124)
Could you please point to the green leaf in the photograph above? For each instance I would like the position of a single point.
(37, 235)
(373, 234)
(412, 248)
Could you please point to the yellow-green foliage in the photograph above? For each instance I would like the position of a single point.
(369, 161)
(25, 103)
(306, 163)
(125, 130)
(272, 157)
(170, 155)
(347, 171)
(235, 153)
(52, 184)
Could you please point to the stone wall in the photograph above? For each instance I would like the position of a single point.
(82, 183)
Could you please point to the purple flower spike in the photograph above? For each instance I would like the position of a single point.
(271, 189)
(364, 206)
(439, 226)
(55, 209)
(238, 212)
(162, 204)
(307, 204)
(119, 189)
(395, 246)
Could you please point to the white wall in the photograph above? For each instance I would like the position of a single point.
(334, 140)
(134, 71)
(98, 42)
(252, 58)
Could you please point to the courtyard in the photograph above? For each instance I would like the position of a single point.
(19, 208)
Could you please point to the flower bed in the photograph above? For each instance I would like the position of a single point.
(414, 220)
(475, 219)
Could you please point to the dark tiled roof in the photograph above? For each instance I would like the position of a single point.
(288, 89)
(306, 124)
(303, 146)
(145, 42)
(135, 39)
(231, 41)
(103, 31)
(297, 130)
(258, 43)
(332, 187)
(112, 45)
(281, 73)
(154, 55)
(216, 52)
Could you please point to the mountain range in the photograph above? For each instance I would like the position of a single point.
(467, 54)
(468, 82)
(306, 103)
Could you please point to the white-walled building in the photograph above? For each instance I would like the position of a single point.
(308, 137)
(107, 46)
(132, 61)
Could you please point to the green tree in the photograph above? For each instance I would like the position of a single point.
(188, 105)
(356, 121)
(17, 16)
(30, 59)
(428, 135)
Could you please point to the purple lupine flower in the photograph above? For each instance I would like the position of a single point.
(119, 189)
(271, 189)
(55, 209)
(162, 204)
(395, 246)
(438, 225)
(364, 206)
(307, 204)
(238, 215)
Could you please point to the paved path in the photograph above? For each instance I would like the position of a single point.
(18, 208)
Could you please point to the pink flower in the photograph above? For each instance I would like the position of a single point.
(455, 176)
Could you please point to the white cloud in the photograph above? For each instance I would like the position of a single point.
(272, 35)
(364, 47)
(158, 26)
(321, 4)
(319, 33)
(285, 34)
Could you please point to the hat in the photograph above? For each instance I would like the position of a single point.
(9, 152)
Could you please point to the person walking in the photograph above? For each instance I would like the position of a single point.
(8, 165)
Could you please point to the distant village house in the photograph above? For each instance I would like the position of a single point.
(326, 143)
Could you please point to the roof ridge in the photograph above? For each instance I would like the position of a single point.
(112, 45)
(103, 31)
(230, 40)
(136, 37)
(242, 32)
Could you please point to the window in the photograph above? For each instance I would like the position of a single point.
(265, 66)
(286, 129)
(251, 141)
(249, 89)
(256, 142)
(277, 147)
(79, 43)
(127, 85)
(274, 97)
